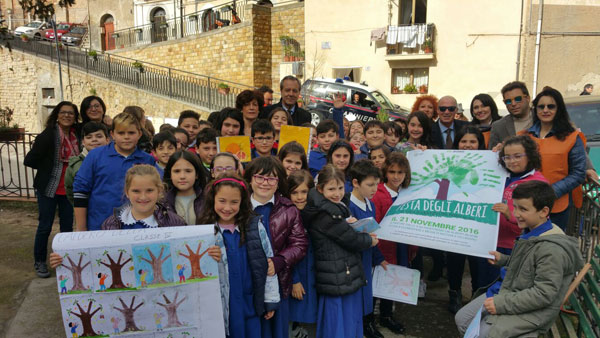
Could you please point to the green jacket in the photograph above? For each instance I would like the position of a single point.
(538, 274)
(72, 169)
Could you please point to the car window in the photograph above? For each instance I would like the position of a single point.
(62, 27)
(33, 24)
(78, 30)
(333, 89)
(585, 116)
(382, 100)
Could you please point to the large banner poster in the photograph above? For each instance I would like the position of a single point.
(157, 282)
(448, 205)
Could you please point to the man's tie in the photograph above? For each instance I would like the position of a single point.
(449, 142)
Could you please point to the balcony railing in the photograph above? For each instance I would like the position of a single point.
(584, 223)
(410, 39)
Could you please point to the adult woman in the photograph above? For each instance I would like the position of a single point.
(50, 155)
(427, 104)
(229, 122)
(249, 102)
(484, 111)
(562, 149)
(94, 109)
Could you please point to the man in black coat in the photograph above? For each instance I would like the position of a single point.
(446, 127)
(290, 92)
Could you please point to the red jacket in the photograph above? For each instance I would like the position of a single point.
(383, 202)
(288, 240)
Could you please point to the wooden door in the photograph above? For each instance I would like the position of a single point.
(107, 39)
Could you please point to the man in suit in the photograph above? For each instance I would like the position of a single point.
(445, 128)
(290, 92)
(516, 98)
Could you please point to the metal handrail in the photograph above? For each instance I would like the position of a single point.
(16, 180)
(584, 222)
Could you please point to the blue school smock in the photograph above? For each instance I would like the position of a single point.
(305, 310)
(340, 316)
(348, 187)
(370, 257)
(243, 320)
(316, 161)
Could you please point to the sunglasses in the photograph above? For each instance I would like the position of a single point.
(517, 99)
(450, 109)
(550, 106)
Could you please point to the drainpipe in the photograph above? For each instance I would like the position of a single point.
(519, 45)
(537, 47)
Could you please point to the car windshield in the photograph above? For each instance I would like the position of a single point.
(33, 24)
(585, 116)
(78, 30)
(63, 27)
(383, 101)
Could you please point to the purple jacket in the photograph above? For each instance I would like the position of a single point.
(171, 194)
(288, 240)
(163, 215)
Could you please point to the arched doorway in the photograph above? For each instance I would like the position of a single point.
(108, 28)
(158, 19)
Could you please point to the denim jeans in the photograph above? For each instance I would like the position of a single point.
(47, 210)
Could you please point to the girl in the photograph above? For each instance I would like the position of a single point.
(247, 292)
(356, 141)
(284, 228)
(393, 134)
(396, 175)
(341, 156)
(184, 177)
(293, 157)
(378, 155)
(338, 269)
(484, 111)
(279, 117)
(357, 127)
(94, 109)
(229, 122)
(419, 133)
(303, 304)
(225, 163)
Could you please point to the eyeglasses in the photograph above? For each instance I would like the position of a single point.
(223, 169)
(96, 106)
(514, 157)
(260, 179)
(72, 113)
(261, 139)
(550, 106)
(450, 109)
(517, 99)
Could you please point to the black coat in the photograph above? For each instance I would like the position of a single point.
(337, 247)
(439, 140)
(299, 117)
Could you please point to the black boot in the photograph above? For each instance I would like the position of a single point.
(369, 327)
(455, 301)
(393, 325)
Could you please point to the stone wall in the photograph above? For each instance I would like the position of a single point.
(24, 76)
(289, 21)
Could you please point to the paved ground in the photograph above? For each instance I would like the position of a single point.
(29, 306)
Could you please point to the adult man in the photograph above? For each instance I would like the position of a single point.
(516, 98)
(267, 95)
(587, 89)
(290, 91)
(445, 128)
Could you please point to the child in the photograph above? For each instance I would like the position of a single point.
(181, 273)
(396, 175)
(327, 133)
(374, 137)
(393, 134)
(263, 138)
(163, 146)
(145, 141)
(95, 135)
(73, 327)
(98, 185)
(63, 283)
(225, 163)
(293, 157)
(378, 155)
(338, 269)
(341, 156)
(535, 277)
(365, 178)
(143, 274)
(284, 228)
(102, 281)
(189, 120)
(357, 140)
(202, 124)
(279, 117)
(230, 122)
(206, 148)
(182, 136)
(184, 177)
(402, 123)
(357, 127)
(418, 134)
(247, 292)
(313, 135)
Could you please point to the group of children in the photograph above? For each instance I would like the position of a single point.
(289, 253)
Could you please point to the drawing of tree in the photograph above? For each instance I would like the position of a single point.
(115, 268)
(455, 169)
(171, 308)
(194, 258)
(86, 317)
(76, 270)
(156, 263)
(128, 312)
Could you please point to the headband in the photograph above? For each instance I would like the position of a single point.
(231, 180)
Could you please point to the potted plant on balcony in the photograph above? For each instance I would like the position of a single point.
(24, 37)
(92, 55)
(428, 45)
(138, 67)
(410, 89)
(223, 88)
(395, 90)
(287, 53)
(423, 89)
(284, 39)
(8, 132)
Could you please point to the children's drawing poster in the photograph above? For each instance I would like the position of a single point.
(293, 133)
(396, 283)
(157, 282)
(448, 205)
(236, 145)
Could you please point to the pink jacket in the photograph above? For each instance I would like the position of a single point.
(509, 230)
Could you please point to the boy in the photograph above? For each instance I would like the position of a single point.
(190, 121)
(164, 145)
(374, 137)
(263, 138)
(182, 136)
(392, 135)
(365, 178)
(327, 133)
(534, 279)
(95, 135)
(206, 148)
(204, 124)
(98, 185)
